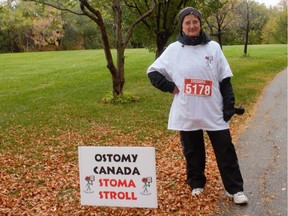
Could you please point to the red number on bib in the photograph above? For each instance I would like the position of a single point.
(198, 87)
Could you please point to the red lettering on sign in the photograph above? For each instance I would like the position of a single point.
(117, 195)
(116, 183)
(113, 195)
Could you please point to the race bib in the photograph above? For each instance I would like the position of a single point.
(198, 87)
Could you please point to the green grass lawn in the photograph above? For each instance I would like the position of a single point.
(50, 103)
(64, 89)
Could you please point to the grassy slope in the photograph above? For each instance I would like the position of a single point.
(50, 104)
(66, 87)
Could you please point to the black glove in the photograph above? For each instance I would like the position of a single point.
(240, 110)
(159, 81)
(229, 113)
(228, 99)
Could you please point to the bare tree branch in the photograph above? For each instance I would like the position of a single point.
(57, 6)
(130, 30)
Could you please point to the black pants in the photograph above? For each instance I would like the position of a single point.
(194, 151)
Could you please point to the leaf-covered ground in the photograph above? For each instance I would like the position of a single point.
(40, 176)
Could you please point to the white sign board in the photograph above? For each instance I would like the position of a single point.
(118, 176)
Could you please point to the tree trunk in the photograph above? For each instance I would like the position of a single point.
(118, 79)
(94, 14)
(247, 30)
(246, 43)
(247, 36)
(116, 83)
(162, 38)
(219, 37)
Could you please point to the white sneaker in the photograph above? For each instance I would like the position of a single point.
(239, 198)
(197, 191)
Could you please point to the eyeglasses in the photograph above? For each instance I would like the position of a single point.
(189, 22)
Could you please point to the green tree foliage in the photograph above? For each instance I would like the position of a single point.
(275, 30)
(162, 26)
(14, 27)
(221, 19)
(26, 27)
(224, 21)
(95, 11)
(251, 20)
(47, 29)
(239, 22)
(80, 33)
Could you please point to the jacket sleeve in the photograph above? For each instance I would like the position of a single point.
(228, 99)
(159, 81)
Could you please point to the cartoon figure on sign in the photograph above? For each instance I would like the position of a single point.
(146, 182)
(89, 180)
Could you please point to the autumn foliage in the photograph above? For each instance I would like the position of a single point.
(40, 176)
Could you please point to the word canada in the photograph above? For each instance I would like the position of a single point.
(113, 170)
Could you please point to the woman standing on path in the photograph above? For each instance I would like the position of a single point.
(196, 71)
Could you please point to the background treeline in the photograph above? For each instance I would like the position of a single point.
(27, 26)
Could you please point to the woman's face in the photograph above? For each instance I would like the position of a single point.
(191, 26)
